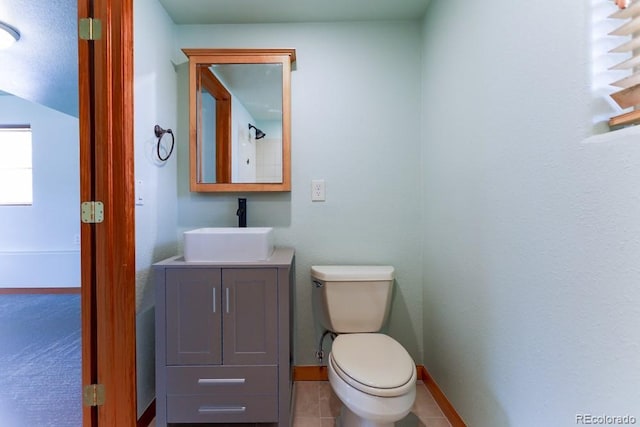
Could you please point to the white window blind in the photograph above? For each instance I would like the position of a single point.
(627, 93)
(16, 178)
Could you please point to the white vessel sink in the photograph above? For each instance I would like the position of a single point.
(213, 244)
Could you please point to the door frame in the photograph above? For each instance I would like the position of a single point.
(108, 248)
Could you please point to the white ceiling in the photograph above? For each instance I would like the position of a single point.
(271, 11)
(42, 67)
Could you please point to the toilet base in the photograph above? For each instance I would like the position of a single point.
(349, 419)
(363, 410)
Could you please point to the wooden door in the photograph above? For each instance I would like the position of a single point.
(107, 248)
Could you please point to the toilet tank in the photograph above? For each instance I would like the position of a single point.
(352, 298)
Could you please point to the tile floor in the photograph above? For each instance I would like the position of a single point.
(317, 406)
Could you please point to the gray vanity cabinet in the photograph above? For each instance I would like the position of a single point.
(201, 303)
(192, 314)
(250, 316)
(223, 341)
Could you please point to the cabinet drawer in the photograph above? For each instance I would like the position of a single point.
(222, 409)
(222, 379)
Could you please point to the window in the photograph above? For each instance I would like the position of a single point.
(627, 94)
(16, 178)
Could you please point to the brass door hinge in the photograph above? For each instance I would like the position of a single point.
(90, 29)
(93, 395)
(92, 212)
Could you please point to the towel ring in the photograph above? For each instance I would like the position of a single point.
(160, 133)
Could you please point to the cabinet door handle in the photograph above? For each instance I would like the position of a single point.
(227, 298)
(218, 409)
(214, 381)
(215, 291)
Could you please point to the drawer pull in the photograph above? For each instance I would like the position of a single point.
(218, 409)
(214, 381)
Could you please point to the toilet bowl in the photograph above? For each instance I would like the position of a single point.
(371, 373)
(374, 377)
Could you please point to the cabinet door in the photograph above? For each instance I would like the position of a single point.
(193, 304)
(250, 318)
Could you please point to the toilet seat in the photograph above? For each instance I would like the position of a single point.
(373, 363)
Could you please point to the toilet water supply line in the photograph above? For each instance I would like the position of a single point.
(320, 353)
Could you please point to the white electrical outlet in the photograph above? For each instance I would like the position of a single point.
(317, 190)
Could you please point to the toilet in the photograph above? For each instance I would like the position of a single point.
(371, 373)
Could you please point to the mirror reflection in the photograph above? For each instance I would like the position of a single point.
(239, 104)
(233, 97)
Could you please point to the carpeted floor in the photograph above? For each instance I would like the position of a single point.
(40, 361)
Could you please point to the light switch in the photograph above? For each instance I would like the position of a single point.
(139, 192)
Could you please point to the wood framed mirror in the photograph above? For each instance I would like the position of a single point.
(240, 119)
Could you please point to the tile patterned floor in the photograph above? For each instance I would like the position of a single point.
(317, 406)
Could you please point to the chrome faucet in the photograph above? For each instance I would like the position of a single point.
(242, 212)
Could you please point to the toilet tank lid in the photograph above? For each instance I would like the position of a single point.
(352, 273)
